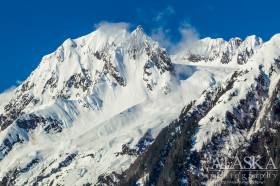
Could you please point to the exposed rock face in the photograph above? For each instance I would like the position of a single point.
(158, 59)
(27, 124)
(14, 109)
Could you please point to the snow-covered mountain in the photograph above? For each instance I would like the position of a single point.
(237, 118)
(113, 108)
(234, 51)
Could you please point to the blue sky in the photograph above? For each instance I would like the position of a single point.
(30, 29)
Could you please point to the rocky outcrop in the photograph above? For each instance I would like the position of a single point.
(27, 124)
(14, 109)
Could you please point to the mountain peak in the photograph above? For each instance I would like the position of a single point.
(252, 41)
(138, 32)
(275, 37)
(139, 28)
(101, 58)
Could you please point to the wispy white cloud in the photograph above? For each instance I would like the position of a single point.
(161, 35)
(161, 15)
(188, 36)
(155, 17)
(110, 26)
